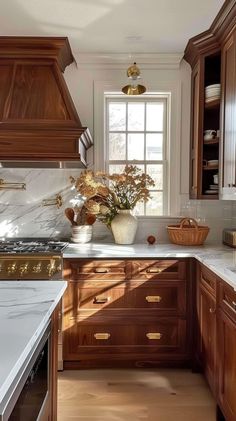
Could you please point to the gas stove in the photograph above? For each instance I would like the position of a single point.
(32, 246)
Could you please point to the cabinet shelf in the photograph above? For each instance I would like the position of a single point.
(212, 104)
(212, 167)
(211, 142)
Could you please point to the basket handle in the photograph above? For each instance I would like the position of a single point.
(191, 222)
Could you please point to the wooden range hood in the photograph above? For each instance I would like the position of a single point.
(38, 121)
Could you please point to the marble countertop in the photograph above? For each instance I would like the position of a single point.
(25, 309)
(220, 259)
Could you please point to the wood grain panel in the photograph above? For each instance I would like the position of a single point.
(6, 74)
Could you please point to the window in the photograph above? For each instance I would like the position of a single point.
(137, 133)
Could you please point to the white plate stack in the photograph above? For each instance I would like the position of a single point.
(212, 92)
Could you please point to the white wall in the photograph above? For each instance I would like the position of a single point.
(21, 214)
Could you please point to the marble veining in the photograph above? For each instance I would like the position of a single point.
(220, 259)
(25, 308)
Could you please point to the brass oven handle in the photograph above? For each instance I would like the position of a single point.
(101, 300)
(154, 335)
(101, 270)
(103, 336)
(153, 270)
(153, 298)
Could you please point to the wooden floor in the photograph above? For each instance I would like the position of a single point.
(133, 395)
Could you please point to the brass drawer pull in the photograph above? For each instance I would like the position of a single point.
(154, 335)
(101, 270)
(153, 270)
(101, 300)
(212, 310)
(153, 298)
(103, 336)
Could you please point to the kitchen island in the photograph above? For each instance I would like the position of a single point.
(26, 310)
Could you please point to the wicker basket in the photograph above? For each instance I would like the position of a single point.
(188, 233)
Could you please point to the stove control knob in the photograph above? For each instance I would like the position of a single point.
(24, 269)
(51, 268)
(11, 269)
(37, 268)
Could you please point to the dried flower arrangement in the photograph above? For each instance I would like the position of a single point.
(106, 194)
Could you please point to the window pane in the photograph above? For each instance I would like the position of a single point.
(156, 172)
(136, 117)
(135, 146)
(154, 146)
(116, 169)
(155, 112)
(117, 116)
(117, 149)
(139, 209)
(155, 205)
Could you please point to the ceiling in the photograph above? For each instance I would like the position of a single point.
(111, 26)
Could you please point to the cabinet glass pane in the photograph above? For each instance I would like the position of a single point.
(155, 205)
(136, 117)
(117, 149)
(154, 146)
(117, 116)
(156, 172)
(155, 113)
(135, 146)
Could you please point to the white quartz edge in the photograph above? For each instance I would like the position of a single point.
(220, 259)
(59, 289)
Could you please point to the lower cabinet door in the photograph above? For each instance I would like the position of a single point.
(207, 335)
(226, 351)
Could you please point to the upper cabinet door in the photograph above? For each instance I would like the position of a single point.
(228, 118)
(196, 128)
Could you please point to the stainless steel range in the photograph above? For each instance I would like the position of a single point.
(33, 260)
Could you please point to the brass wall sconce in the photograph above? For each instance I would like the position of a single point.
(5, 185)
(54, 201)
(134, 88)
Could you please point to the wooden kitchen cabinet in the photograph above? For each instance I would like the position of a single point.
(211, 55)
(126, 313)
(226, 346)
(206, 324)
(228, 117)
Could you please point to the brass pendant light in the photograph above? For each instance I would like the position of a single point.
(134, 88)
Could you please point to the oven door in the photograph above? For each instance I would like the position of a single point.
(30, 399)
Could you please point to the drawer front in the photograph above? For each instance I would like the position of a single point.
(158, 269)
(95, 269)
(164, 335)
(94, 296)
(208, 279)
(228, 300)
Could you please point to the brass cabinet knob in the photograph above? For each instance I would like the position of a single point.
(154, 335)
(153, 270)
(153, 298)
(102, 336)
(11, 269)
(101, 300)
(101, 270)
(212, 310)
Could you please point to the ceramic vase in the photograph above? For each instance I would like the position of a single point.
(81, 233)
(124, 227)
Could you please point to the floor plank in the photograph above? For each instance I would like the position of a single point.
(133, 395)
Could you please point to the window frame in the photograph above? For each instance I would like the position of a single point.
(172, 87)
(163, 98)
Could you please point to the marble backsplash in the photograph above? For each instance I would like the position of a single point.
(23, 215)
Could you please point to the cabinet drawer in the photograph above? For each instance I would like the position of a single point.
(158, 269)
(166, 334)
(228, 300)
(95, 269)
(169, 296)
(208, 279)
